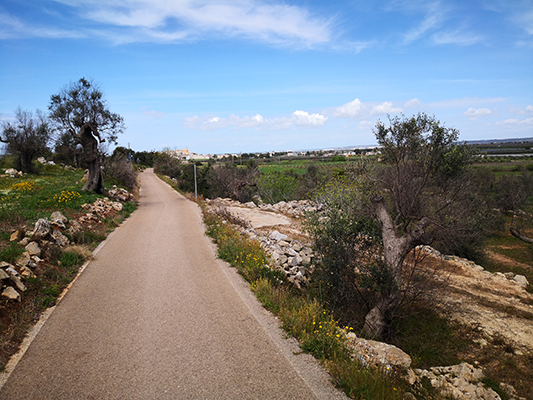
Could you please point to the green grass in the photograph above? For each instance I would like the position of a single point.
(10, 253)
(31, 197)
(430, 339)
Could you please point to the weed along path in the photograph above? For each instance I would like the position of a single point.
(157, 316)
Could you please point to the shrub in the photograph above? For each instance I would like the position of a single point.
(277, 186)
(119, 171)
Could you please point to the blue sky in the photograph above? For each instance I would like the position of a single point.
(236, 76)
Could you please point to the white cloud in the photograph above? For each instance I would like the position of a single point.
(12, 28)
(465, 102)
(168, 21)
(365, 125)
(519, 111)
(475, 113)
(349, 110)
(385, 108)
(456, 37)
(297, 119)
(303, 118)
(153, 113)
(528, 121)
(412, 103)
(433, 18)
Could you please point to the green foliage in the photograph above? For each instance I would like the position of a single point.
(71, 260)
(89, 238)
(514, 191)
(431, 339)
(11, 253)
(83, 102)
(33, 197)
(349, 274)
(278, 186)
(232, 181)
(27, 138)
(119, 171)
(338, 159)
(248, 257)
(128, 207)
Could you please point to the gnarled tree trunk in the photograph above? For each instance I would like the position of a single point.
(395, 249)
(519, 235)
(92, 158)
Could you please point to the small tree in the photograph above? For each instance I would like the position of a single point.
(419, 193)
(80, 110)
(27, 137)
(415, 197)
(231, 181)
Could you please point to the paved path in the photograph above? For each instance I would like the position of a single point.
(157, 316)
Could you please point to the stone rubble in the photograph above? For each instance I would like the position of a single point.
(291, 256)
(13, 173)
(46, 233)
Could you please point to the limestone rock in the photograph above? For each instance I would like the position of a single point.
(11, 294)
(33, 249)
(275, 235)
(60, 239)
(18, 283)
(460, 381)
(3, 275)
(75, 226)
(13, 173)
(25, 241)
(41, 230)
(17, 236)
(27, 273)
(24, 259)
(371, 352)
(58, 219)
(521, 280)
(3, 264)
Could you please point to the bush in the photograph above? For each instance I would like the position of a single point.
(234, 182)
(119, 171)
(277, 186)
(349, 272)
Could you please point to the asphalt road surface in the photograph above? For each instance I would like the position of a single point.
(157, 316)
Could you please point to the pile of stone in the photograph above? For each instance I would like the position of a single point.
(13, 173)
(119, 194)
(295, 208)
(43, 161)
(465, 263)
(462, 381)
(37, 241)
(46, 234)
(292, 257)
(97, 211)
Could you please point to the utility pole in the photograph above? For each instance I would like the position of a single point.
(195, 184)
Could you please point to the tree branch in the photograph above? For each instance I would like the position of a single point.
(517, 234)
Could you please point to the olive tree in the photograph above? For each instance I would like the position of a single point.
(27, 137)
(80, 110)
(419, 193)
(416, 197)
